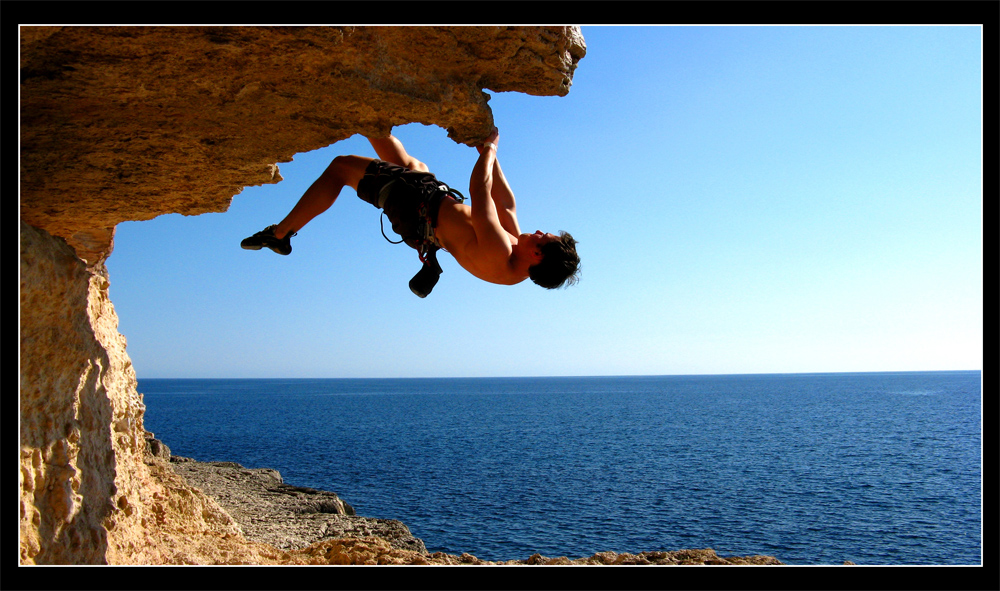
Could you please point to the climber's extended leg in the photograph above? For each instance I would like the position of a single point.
(344, 170)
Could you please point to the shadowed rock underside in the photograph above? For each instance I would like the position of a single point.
(129, 123)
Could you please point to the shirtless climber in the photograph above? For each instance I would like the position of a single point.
(484, 238)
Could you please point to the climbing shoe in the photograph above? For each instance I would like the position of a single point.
(266, 238)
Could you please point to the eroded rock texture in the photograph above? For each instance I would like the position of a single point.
(128, 123)
(284, 515)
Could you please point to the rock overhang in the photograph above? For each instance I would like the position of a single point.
(128, 123)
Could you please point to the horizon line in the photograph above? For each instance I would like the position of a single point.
(490, 377)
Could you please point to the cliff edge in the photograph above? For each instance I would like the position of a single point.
(128, 123)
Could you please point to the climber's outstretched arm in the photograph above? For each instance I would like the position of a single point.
(500, 191)
(491, 237)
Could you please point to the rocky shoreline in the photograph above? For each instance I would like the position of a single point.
(311, 523)
(285, 516)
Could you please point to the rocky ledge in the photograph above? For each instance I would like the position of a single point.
(317, 527)
(285, 516)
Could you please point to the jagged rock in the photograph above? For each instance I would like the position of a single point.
(286, 516)
(82, 471)
(705, 556)
(128, 123)
(156, 447)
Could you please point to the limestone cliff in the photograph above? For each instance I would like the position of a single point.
(128, 123)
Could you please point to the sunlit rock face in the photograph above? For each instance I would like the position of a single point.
(128, 123)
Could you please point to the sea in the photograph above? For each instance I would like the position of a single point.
(813, 469)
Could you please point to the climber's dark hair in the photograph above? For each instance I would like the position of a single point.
(560, 264)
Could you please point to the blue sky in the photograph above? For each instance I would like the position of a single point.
(746, 200)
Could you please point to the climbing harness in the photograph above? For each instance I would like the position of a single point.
(425, 243)
(425, 234)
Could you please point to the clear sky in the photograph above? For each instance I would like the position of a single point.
(746, 200)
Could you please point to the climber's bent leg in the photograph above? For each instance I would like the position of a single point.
(344, 170)
(391, 150)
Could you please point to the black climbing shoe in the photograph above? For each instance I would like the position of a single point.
(266, 238)
(425, 279)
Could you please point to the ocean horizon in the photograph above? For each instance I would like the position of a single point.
(812, 468)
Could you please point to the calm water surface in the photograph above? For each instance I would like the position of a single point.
(876, 468)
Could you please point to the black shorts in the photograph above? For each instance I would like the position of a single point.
(403, 195)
